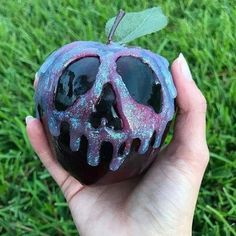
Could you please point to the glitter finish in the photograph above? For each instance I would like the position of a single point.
(139, 121)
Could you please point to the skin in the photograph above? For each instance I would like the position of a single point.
(161, 202)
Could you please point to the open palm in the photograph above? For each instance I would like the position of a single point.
(161, 201)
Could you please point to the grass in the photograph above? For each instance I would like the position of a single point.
(204, 30)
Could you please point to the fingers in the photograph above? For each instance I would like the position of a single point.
(41, 146)
(68, 184)
(191, 119)
(189, 141)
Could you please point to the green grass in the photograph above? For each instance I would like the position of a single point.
(204, 30)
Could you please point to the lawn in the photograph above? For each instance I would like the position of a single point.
(204, 30)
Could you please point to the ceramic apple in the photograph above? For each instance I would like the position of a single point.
(105, 108)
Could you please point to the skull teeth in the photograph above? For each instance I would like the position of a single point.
(116, 163)
(93, 156)
(144, 146)
(158, 139)
(119, 152)
(127, 148)
(75, 145)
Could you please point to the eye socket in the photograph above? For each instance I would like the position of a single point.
(76, 80)
(139, 79)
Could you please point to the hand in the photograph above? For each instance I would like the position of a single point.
(162, 201)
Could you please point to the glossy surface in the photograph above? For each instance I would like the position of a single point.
(76, 80)
(99, 174)
(140, 80)
(110, 127)
(106, 110)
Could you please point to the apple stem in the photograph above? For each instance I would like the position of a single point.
(119, 17)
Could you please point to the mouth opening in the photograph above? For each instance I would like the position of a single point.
(106, 151)
(152, 140)
(136, 144)
(74, 160)
(121, 149)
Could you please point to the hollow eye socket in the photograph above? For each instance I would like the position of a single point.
(140, 81)
(76, 80)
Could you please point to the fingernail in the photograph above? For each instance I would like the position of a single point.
(36, 79)
(184, 67)
(28, 119)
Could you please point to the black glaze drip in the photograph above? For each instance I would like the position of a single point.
(121, 149)
(136, 143)
(76, 80)
(106, 151)
(152, 140)
(106, 107)
(76, 162)
(40, 111)
(140, 79)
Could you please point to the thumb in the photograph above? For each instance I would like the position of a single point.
(189, 135)
(191, 119)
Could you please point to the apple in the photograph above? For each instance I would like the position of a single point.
(105, 108)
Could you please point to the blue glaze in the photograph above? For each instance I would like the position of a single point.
(139, 121)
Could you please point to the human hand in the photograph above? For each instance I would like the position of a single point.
(160, 202)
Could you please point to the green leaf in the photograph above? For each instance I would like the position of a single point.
(136, 24)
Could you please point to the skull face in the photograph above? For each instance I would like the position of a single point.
(103, 99)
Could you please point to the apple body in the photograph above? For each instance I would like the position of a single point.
(105, 109)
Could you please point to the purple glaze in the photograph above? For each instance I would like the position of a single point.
(139, 121)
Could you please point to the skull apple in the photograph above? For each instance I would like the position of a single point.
(105, 108)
